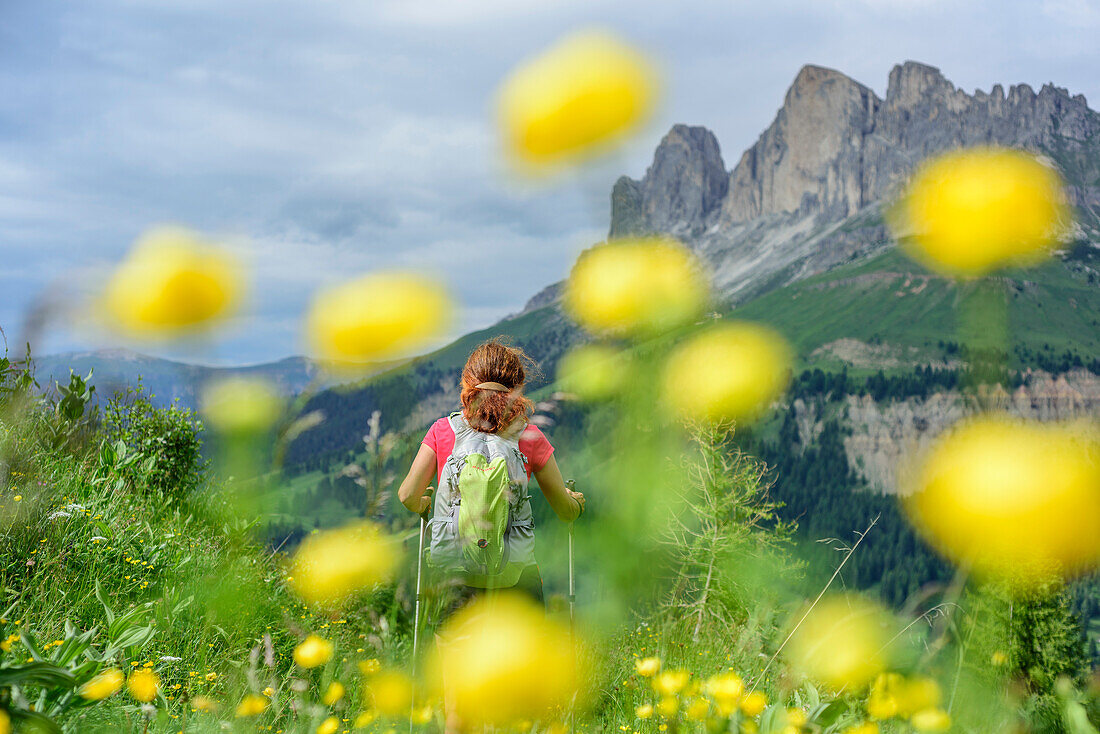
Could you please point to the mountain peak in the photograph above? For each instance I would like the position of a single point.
(680, 192)
(913, 81)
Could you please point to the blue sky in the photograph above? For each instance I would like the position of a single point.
(326, 139)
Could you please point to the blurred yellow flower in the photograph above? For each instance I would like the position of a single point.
(391, 693)
(882, 700)
(172, 282)
(918, 694)
(574, 100)
(725, 688)
(334, 693)
(313, 651)
(332, 565)
(329, 726)
(143, 685)
(103, 685)
(645, 711)
(369, 667)
(593, 371)
(668, 706)
(204, 703)
(502, 661)
(998, 658)
(867, 727)
(635, 286)
(365, 719)
(422, 715)
(754, 703)
(269, 691)
(647, 667)
(796, 717)
(670, 682)
(727, 371)
(970, 211)
(5, 722)
(1014, 499)
(697, 709)
(241, 405)
(377, 317)
(251, 705)
(932, 719)
(841, 642)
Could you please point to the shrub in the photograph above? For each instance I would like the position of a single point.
(166, 438)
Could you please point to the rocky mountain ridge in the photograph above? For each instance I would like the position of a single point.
(807, 195)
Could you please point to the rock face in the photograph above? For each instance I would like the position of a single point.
(807, 195)
(885, 434)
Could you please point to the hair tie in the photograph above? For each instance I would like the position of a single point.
(494, 386)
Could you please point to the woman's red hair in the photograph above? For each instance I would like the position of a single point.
(493, 411)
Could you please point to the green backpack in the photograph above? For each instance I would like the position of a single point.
(481, 527)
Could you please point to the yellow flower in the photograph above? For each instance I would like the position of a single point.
(796, 717)
(1015, 499)
(369, 667)
(391, 693)
(172, 282)
(932, 719)
(334, 693)
(635, 286)
(251, 705)
(504, 661)
(728, 371)
(867, 727)
(377, 317)
(574, 100)
(422, 715)
(647, 667)
(971, 211)
(841, 642)
(882, 701)
(7, 643)
(269, 691)
(918, 694)
(998, 658)
(670, 682)
(333, 565)
(592, 371)
(103, 685)
(668, 706)
(143, 685)
(5, 722)
(754, 703)
(241, 405)
(365, 719)
(328, 726)
(725, 688)
(204, 704)
(645, 711)
(313, 651)
(697, 709)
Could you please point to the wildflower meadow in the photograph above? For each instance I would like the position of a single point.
(140, 593)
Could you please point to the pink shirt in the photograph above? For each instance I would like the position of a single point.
(532, 444)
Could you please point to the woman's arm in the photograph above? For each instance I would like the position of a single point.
(567, 505)
(411, 491)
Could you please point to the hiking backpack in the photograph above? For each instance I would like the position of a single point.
(481, 527)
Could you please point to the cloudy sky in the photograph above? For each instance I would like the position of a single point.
(335, 137)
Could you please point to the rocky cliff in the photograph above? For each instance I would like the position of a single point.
(884, 434)
(807, 195)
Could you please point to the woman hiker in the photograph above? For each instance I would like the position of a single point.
(486, 450)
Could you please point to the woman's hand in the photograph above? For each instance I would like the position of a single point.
(579, 497)
(426, 503)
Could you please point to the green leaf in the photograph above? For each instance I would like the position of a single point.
(103, 600)
(826, 714)
(41, 674)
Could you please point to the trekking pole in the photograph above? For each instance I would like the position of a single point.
(571, 484)
(416, 612)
